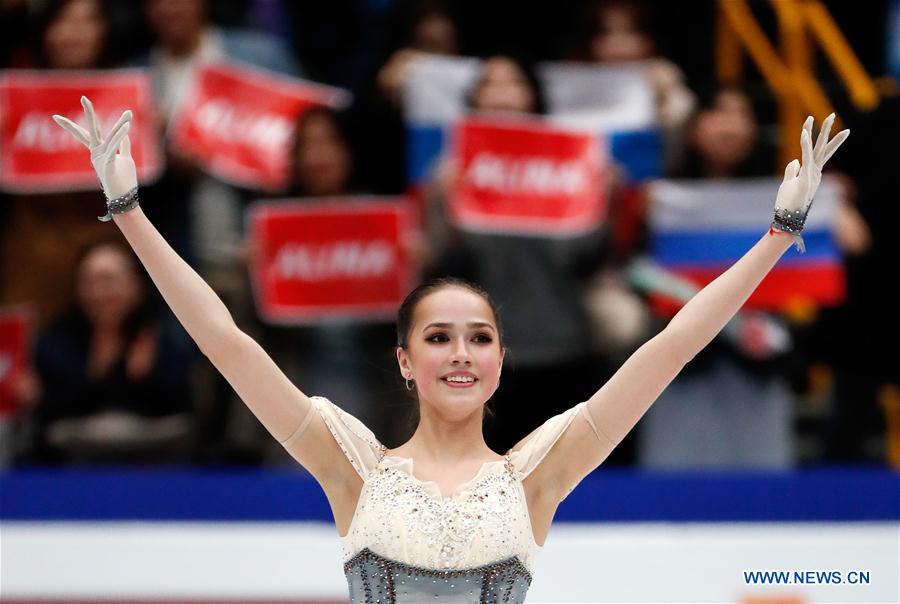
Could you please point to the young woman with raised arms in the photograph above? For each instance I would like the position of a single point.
(443, 516)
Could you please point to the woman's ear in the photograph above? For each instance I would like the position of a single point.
(403, 363)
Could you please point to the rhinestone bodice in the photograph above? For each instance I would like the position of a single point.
(474, 546)
(407, 520)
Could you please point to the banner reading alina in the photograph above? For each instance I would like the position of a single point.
(528, 177)
(37, 156)
(238, 121)
(333, 258)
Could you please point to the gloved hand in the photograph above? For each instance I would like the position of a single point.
(801, 181)
(111, 157)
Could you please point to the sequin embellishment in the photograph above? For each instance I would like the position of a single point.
(486, 520)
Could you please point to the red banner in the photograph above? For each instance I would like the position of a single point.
(13, 355)
(38, 156)
(527, 177)
(330, 258)
(238, 121)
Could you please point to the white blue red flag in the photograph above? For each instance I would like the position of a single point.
(698, 228)
(614, 102)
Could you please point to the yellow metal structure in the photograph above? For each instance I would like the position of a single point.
(789, 69)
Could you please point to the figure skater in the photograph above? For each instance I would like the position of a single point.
(443, 517)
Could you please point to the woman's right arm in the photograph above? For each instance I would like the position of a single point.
(268, 393)
(275, 401)
(281, 407)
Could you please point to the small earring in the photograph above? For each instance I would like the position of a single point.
(408, 387)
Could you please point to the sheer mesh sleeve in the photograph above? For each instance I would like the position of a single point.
(529, 455)
(357, 442)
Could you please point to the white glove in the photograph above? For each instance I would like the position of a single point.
(801, 181)
(111, 157)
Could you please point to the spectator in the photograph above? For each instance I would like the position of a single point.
(551, 364)
(507, 85)
(323, 163)
(42, 232)
(111, 378)
(723, 138)
(724, 142)
(343, 360)
(201, 216)
(185, 38)
(431, 31)
(73, 35)
(753, 425)
(616, 32)
(417, 28)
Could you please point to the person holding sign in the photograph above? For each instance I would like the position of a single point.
(37, 254)
(752, 427)
(344, 357)
(464, 522)
(617, 32)
(532, 275)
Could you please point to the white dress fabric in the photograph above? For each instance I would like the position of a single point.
(476, 545)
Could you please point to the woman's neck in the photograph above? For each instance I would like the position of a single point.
(441, 441)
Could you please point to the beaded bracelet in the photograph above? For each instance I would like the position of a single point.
(120, 205)
(789, 221)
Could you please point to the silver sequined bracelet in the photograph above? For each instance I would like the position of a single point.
(120, 205)
(791, 221)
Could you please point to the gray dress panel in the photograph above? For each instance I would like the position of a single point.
(373, 578)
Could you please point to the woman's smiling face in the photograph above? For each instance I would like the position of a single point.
(453, 353)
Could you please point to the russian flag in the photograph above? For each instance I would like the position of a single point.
(699, 228)
(616, 102)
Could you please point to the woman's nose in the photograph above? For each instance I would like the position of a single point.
(460, 352)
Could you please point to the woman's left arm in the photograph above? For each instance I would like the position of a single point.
(614, 409)
(621, 402)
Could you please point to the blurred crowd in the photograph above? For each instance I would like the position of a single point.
(112, 377)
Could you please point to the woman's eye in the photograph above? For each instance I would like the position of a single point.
(438, 337)
(483, 338)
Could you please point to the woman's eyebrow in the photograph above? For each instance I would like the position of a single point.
(472, 325)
